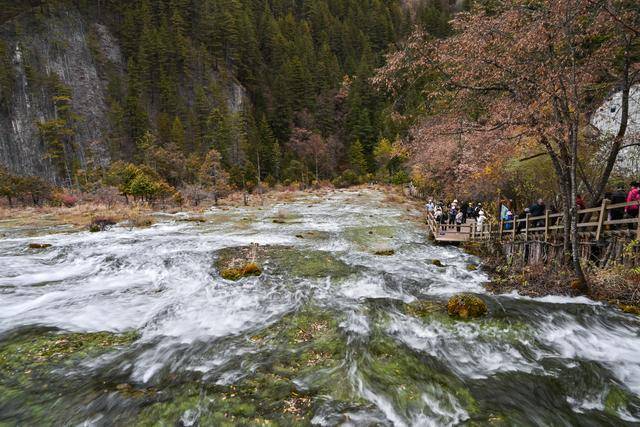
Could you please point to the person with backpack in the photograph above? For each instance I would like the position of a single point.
(617, 197)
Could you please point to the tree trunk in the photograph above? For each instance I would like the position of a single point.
(581, 281)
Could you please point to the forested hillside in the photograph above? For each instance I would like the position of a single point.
(278, 89)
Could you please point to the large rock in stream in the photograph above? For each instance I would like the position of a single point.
(466, 306)
(285, 260)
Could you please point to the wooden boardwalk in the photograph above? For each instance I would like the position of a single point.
(594, 224)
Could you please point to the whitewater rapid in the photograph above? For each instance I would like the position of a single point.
(544, 359)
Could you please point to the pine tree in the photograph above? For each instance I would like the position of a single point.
(357, 158)
(177, 135)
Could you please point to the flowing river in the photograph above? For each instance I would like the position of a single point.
(136, 327)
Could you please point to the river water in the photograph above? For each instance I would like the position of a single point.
(329, 334)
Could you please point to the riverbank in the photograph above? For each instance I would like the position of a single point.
(33, 220)
(617, 285)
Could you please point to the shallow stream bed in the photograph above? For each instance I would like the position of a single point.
(136, 327)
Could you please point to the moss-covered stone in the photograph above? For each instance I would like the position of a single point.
(247, 270)
(197, 219)
(423, 308)
(466, 306)
(437, 263)
(472, 267)
(286, 260)
(39, 245)
(615, 401)
(367, 237)
(631, 309)
(385, 252)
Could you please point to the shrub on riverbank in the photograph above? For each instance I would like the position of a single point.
(618, 285)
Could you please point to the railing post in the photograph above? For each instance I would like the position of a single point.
(501, 228)
(513, 231)
(473, 232)
(638, 225)
(490, 229)
(602, 219)
(526, 227)
(546, 225)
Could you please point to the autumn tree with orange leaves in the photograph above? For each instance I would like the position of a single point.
(522, 72)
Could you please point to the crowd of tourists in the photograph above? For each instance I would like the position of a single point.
(458, 214)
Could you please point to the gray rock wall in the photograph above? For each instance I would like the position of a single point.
(57, 44)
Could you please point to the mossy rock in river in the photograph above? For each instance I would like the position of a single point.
(423, 308)
(237, 263)
(39, 245)
(285, 260)
(466, 306)
(383, 250)
(437, 263)
(367, 237)
(247, 270)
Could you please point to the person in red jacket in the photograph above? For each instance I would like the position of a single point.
(633, 196)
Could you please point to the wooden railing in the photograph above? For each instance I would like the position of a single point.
(594, 221)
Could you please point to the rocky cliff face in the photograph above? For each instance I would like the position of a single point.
(41, 48)
(61, 47)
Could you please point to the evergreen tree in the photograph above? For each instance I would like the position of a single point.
(357, 158)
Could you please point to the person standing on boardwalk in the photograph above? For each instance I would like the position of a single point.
(536, 210)
(633, 196)
(453, 212)
(459, 220)
(464, 208)
(617, 197)
(480, 221)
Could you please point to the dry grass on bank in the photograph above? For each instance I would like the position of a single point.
(140, 214)
(618, 285)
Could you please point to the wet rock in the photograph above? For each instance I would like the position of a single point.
(287, 260)
(631, 309)
(466, 306)
(39, 245)
(423, 308)
(198, 219)
(247, 270)
(472, 267)
(437, 263)
(101, 224)
(385, 252)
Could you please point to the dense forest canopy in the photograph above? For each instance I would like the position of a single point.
(306, 110)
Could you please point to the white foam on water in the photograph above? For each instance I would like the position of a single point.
(555, 299)
(371, 286)
(471, 349)
(161, 281)
(616, 348)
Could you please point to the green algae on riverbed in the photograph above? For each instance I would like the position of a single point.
(304, 352)
(33, 351)
(34, 369)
